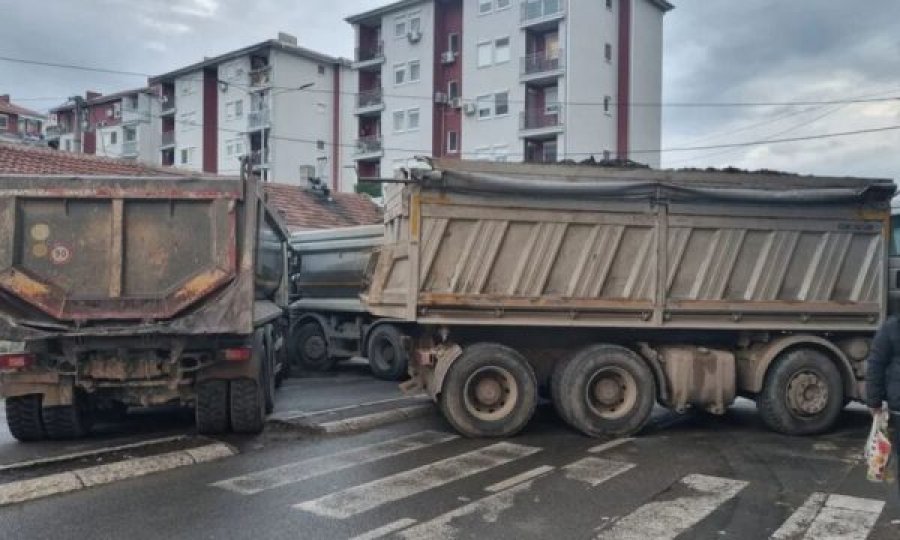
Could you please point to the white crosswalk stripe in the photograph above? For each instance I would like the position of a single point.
(594, 470)
(303, 470)
(664, 520)
(364, 497)
(831, 517)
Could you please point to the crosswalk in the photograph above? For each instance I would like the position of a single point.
(682, 505)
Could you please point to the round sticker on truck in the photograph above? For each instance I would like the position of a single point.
(60, 253)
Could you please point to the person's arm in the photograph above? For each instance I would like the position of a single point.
(876, 366)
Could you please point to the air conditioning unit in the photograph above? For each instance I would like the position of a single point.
(440, 97)
(456, 103)
(448, 57)
(470, 108)
(414, 36)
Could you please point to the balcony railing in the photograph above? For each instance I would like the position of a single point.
(261, 77)
(258, 119)
(368, 145)
(168, 138)
(167, 102)
(57, 130)
(370, 98)
(260, 158)
(370, 52)
(129, 148)
(542, 62)
(535, 10)
(541, 118)
(134, 114)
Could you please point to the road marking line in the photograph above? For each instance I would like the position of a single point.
(367, 421)
(386, 530)
(250, 484)
(519, 478)
(609, 445)
(665, 520)
(88, 453)
(595, 471)
(361, 498)
(54, 484)
(296, 414)
(832, 517)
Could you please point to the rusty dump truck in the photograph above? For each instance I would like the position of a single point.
(138, 292)
(611, 290)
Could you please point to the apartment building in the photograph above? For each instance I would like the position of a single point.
(527, 80)
(276, 102)
(18, 124)
(120, 125)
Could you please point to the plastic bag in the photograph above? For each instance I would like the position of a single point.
(878, 449)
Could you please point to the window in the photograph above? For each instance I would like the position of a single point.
(501, 103)
(895, 236)
(607, 102)
(485, 54)
(320, 145)
(551, 100)
(609, 4)
(399, 74)
(503, 4)
(485, 6)
(187, 88)
(400, 27)
(113, 137)
(415, 23)
(453, 89)
(238, 147)
(229, 149)
(412, 119)
(4, 122)
(453, 43)
(452, 142)
(184, 156)
(484, 106)
(238, 108)
(129, 135)
(607, 52)
(68, 144)
(501, 50)
(187, 121)
(321, 69)
(414, 71)
(399, 120)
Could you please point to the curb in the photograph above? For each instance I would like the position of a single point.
(356, 423)
(54, 484)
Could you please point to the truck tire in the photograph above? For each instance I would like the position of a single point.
(489, 391)
(388, 359)
(268, 365)
(248, 406)
(211, 411)
(23, 416)
(555, 388)
(68, 421)
(311, 348)
(605, 390)
(803, 393)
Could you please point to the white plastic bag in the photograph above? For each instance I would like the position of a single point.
(878, 449)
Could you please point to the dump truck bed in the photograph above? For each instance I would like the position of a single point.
(500, 244)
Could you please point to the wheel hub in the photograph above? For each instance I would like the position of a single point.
(611, 392)
(807, 393)
(608, 392)
(490, 393)
(314, 347)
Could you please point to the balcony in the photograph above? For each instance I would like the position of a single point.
(260, 158)
(538, 14)
(543, 67)
(370, 102)
(541, 122)
(369, 56)
(168, 139)
(133, 115)
(130, 149)
(54, 132)
(258, 119)
(261, 77)
(368, 148)
(167, 104)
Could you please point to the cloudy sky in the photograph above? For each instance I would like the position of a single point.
(716, 51)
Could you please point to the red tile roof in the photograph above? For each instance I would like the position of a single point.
(11, 108)
(23, 159)
(303, 209)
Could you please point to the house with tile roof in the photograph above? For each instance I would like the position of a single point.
(18, 124)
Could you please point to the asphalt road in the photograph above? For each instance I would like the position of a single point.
(686, 477)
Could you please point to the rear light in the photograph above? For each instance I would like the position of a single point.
(238, 354)
(17, 360)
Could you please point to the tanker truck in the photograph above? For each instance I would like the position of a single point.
(612, 290)
(138, 292)
(329, 322)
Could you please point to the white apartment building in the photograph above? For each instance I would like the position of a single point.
(276, 102)
(518, 80)
(121, 125)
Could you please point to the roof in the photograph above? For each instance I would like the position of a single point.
(104, 98)
(662, 4)
(30, 160)
(270, 44)
(11, 108)
(377, 12)
(304, 209)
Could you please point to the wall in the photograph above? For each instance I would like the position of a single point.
(189, 120)
(646, 81)
(231, 129)
(149, 132)
(349, 125)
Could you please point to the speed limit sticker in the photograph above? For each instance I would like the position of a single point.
(60, 253)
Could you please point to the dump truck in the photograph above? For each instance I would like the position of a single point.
(612, 290)
(130, 291)
(329, 322)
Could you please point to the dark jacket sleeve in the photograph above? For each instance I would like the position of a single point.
(877, 364)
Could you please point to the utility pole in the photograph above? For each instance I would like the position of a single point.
(79, 104)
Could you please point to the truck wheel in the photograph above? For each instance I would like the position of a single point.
(268, 374)
(387, 357)
(803, 393)
(489, 391)
(23, 416)
(605, 390)
(211, 411)
(248, 396)
(311, 350)
(556, 388)
(68, 421)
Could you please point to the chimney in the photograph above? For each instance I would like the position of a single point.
(287, 39)
(4, 98)
(90, 94)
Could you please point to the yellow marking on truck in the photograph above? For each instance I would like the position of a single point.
(39, 251)
(200, 284)
(414, 211)
(23, 285)
(40, 232)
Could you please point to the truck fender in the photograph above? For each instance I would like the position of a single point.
(440, 358)
(754, 363)
(235, 370)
